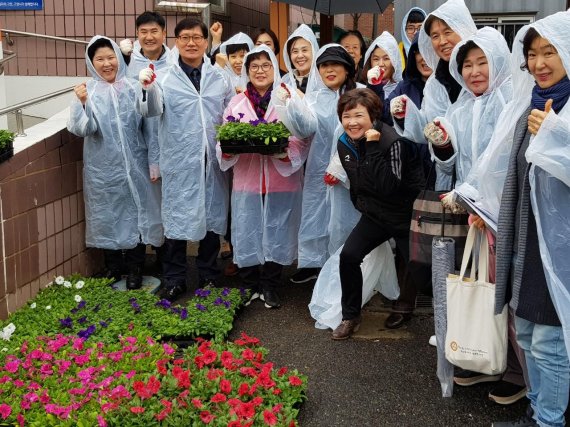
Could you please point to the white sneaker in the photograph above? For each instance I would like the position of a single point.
(252, 298)
(433, 340)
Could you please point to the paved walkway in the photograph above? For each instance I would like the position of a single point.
(382, 378)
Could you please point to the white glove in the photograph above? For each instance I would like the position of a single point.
(147, 76)
(375, 75)
(282, 93)
(154, 171)
(448, 202)
(398, 106)
(126, 46)
(436, 134)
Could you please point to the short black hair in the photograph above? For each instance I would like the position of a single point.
(260, 31)
(149, 17)
(254, 56)
(188, 24)
(462, 53)
(233, 48)
(97, 44)
(530, 36)
(365, 97)
(430, 21)
(415, 17)
(358, 35)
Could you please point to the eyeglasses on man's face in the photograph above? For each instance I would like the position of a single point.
(413, 28)
(263, 67)
(195, 38)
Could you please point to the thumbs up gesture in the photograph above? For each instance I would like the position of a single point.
(536, 117)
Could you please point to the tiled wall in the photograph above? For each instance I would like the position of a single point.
(42, 219)
(82, 19)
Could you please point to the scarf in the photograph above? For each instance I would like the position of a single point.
(260, 103)
(559, 93)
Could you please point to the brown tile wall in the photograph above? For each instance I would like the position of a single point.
(42, 219)
(365, 21)
(82, 19)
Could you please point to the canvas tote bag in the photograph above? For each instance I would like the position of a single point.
(476, 338)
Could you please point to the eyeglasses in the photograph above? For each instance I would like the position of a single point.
(195, 38)
(412, 29)
(263, 67)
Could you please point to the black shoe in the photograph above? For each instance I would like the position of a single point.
(134, 279)
(271, 299)
(524, 421)
(173, 291)
(304, 275)
(114, 274)
(506, 393)
(466, 378)
(396, 320)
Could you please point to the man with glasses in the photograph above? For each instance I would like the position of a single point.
(190, 97)
(411, 24)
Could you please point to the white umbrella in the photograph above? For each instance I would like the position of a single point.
(340, 7)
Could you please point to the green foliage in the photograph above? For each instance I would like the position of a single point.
(6, 137)
(238, 131)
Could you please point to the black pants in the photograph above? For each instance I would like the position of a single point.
(115, 260)
(174, 261)
(262, 277)
(365, 236)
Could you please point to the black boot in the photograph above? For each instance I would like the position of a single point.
(113, 264)
(134, 279)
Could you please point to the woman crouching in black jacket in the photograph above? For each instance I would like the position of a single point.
(386, 175)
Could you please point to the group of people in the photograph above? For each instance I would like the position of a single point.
(449, 107)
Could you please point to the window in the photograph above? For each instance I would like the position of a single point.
(508, 25)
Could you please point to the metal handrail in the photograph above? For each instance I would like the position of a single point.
(17, 108)
(40, 36)
(9, 55)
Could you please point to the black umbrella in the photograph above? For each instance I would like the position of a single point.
(340, 7)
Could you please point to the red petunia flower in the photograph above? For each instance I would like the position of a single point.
(137, 409)
(269, 418)
(225, 386)
(295, 381)
(206, 417)
(219, 397)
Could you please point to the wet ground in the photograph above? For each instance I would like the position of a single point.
(379, 378)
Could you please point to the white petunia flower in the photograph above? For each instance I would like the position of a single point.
(4, 350)
(79, 284)
(33, 305)
(48, 307)
(67, 284)
(7, 332)
(78, 298)
(59, 280)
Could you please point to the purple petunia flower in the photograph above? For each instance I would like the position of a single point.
(184, 314)
(86, 333)
(202, 293)
(242, 292)
(200, 307)
(226, 292)
(164, 303)
(81, 304)
(96, 308)
(218, 301)
(74, 310)
(82, 320)
(66, 323)
(103, 323)
(228, 304)
(231, 119)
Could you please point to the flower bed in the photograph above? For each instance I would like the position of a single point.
(71, 381)
(88, 307)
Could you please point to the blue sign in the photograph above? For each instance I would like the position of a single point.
(21, 4)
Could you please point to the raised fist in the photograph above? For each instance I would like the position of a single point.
(283, 93)
(375, 75)
(436, 134)
(398, 106)
(126, 46)
(147, 76)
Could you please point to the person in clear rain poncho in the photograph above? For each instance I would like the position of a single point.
(121, 210)
(267, 190)
(315, 118)
(190, 97)
(532, 238)
(299, 55)
(411, 25)
(231, 59)
(440, 32)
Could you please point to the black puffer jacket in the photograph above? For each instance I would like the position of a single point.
(375, 190)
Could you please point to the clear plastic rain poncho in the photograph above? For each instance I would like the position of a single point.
(436, 100)
(378, 268)
(305, 32)
(266, 191)
(405, 40)
(150, 125)
(549, 154)
(194, 188)
(120, 207)
(317, 121)
(235, 79)
(388, 44)
(471, 120)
